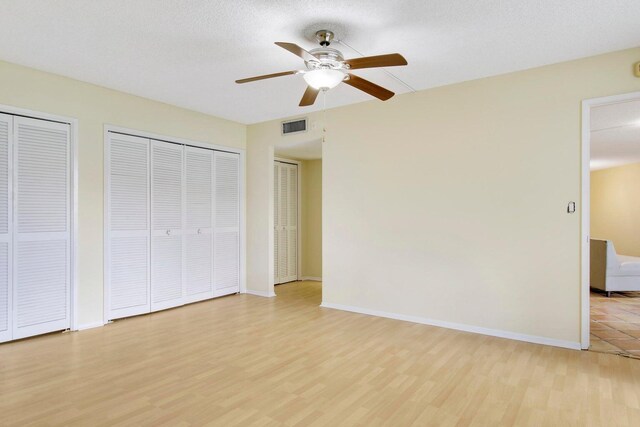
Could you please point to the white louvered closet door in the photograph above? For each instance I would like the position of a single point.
(226, 260)
(127, 253)
(167, 188)
(276, 222)
(286, 228)
(283, 241)
(292, 223)
(6, 213)
(198, 224)
(42, 222)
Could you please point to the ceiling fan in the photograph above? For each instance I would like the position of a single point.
(327, 68)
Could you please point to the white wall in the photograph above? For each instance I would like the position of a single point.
(94, 107)
(449, 204)
(615, 207)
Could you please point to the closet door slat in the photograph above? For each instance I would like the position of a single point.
(226, 223)
(42, 222)
(127, 253)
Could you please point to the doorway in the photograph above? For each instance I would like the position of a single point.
(302, 159)
(610, 253)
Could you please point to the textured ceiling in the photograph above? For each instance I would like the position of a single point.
(615, 135)
(189, 52)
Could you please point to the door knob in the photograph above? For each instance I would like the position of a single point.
(168, 232)
(199, 231)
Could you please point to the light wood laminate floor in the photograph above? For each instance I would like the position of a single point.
(247, 360)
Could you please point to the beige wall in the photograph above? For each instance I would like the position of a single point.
(94, 107)
(311, 213)
(449, 205)
(615, 207)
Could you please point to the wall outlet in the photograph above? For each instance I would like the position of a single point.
(636, 69)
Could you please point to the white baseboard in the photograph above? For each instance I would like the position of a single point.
(260, 293)
(458, 326)
(311, 278)
(90, 325)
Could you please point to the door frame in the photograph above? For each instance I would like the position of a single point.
(73, 190)
(299, 249)
(587, 105)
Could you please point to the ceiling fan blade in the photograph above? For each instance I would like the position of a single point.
(390, 60)
(297, 50)
(369, 87)
(309, 97)
(266, 76)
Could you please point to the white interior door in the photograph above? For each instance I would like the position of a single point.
(226, 260)
(276, 222)
(42, 222)
(6, 213)
(167, 189)
(286, 222)
(292, 223)
(283, 237)
(127, 254)
(198, 224)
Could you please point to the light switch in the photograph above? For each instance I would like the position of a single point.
(571, 207)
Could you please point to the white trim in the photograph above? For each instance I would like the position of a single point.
(73, 139)
(172, 139)
(90, 325)
(260, 293)
(312, 278)
(457, 326)
(243, 222)
(587, 104)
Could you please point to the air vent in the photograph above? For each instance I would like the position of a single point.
(294, 126)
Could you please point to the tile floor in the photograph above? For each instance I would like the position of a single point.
(615, 323)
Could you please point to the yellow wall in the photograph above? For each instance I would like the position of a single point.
(311, 218)
(449, 205)
(615, 207)
(94, 107)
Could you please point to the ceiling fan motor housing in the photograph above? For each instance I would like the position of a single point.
(327, 58)
(324, 37)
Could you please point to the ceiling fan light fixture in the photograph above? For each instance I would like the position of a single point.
(324, 78)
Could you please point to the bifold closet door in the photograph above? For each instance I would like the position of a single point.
(6, 212)
(198, 224)
(292, 223)
(226, 260)
(283, 236)
(42, 222)
(128, 247)
(286, 226)
(167, 189)
(276, 222)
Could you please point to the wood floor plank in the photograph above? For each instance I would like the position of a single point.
(250, 361)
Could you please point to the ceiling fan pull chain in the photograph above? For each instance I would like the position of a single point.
(324, 115)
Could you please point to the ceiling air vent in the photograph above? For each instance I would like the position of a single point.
(294, 126)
